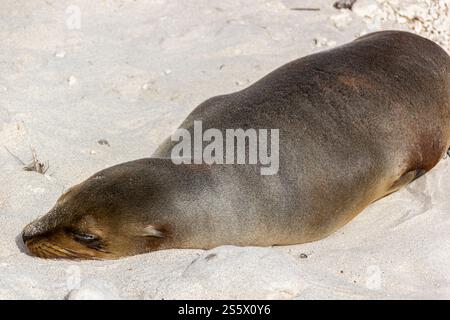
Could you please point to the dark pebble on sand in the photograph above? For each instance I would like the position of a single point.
(103, 142)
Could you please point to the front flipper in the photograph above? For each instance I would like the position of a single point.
(405, 179)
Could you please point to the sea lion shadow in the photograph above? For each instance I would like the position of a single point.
(21, 245)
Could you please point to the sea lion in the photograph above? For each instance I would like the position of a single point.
(356, 123)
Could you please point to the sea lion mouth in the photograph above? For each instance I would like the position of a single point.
(43, 248)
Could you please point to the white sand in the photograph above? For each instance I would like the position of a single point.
(130, 74)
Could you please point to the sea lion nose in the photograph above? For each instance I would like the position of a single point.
(28, 233)
(26, 236)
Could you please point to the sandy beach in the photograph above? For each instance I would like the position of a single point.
(88, 84)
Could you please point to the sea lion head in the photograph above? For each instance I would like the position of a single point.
(105, 217)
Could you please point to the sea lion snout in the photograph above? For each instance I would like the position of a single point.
(30, 231)
(33, 239)
(60, 244)
(26, 236)
(76, 228)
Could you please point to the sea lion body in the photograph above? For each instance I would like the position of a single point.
(356, 123)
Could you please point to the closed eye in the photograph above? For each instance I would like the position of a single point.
(89, 240)
(84, 237)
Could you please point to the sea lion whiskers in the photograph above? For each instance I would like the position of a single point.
(48, 250)
(42, 251)
(60, 252)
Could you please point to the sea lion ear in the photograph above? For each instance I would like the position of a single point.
(152, 231)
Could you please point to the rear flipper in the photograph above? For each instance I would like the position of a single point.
(406, 179)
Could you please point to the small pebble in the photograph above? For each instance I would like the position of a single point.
(324, 42)
(60, 54)
(344, 4)
(103, 142)
(72, 80)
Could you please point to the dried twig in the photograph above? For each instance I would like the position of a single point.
(15, 157)
(36, 164)
(305, 9)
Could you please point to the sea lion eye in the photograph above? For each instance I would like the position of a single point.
(89, 240)
(85, 237)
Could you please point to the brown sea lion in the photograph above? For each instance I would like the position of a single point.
(356, 123)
